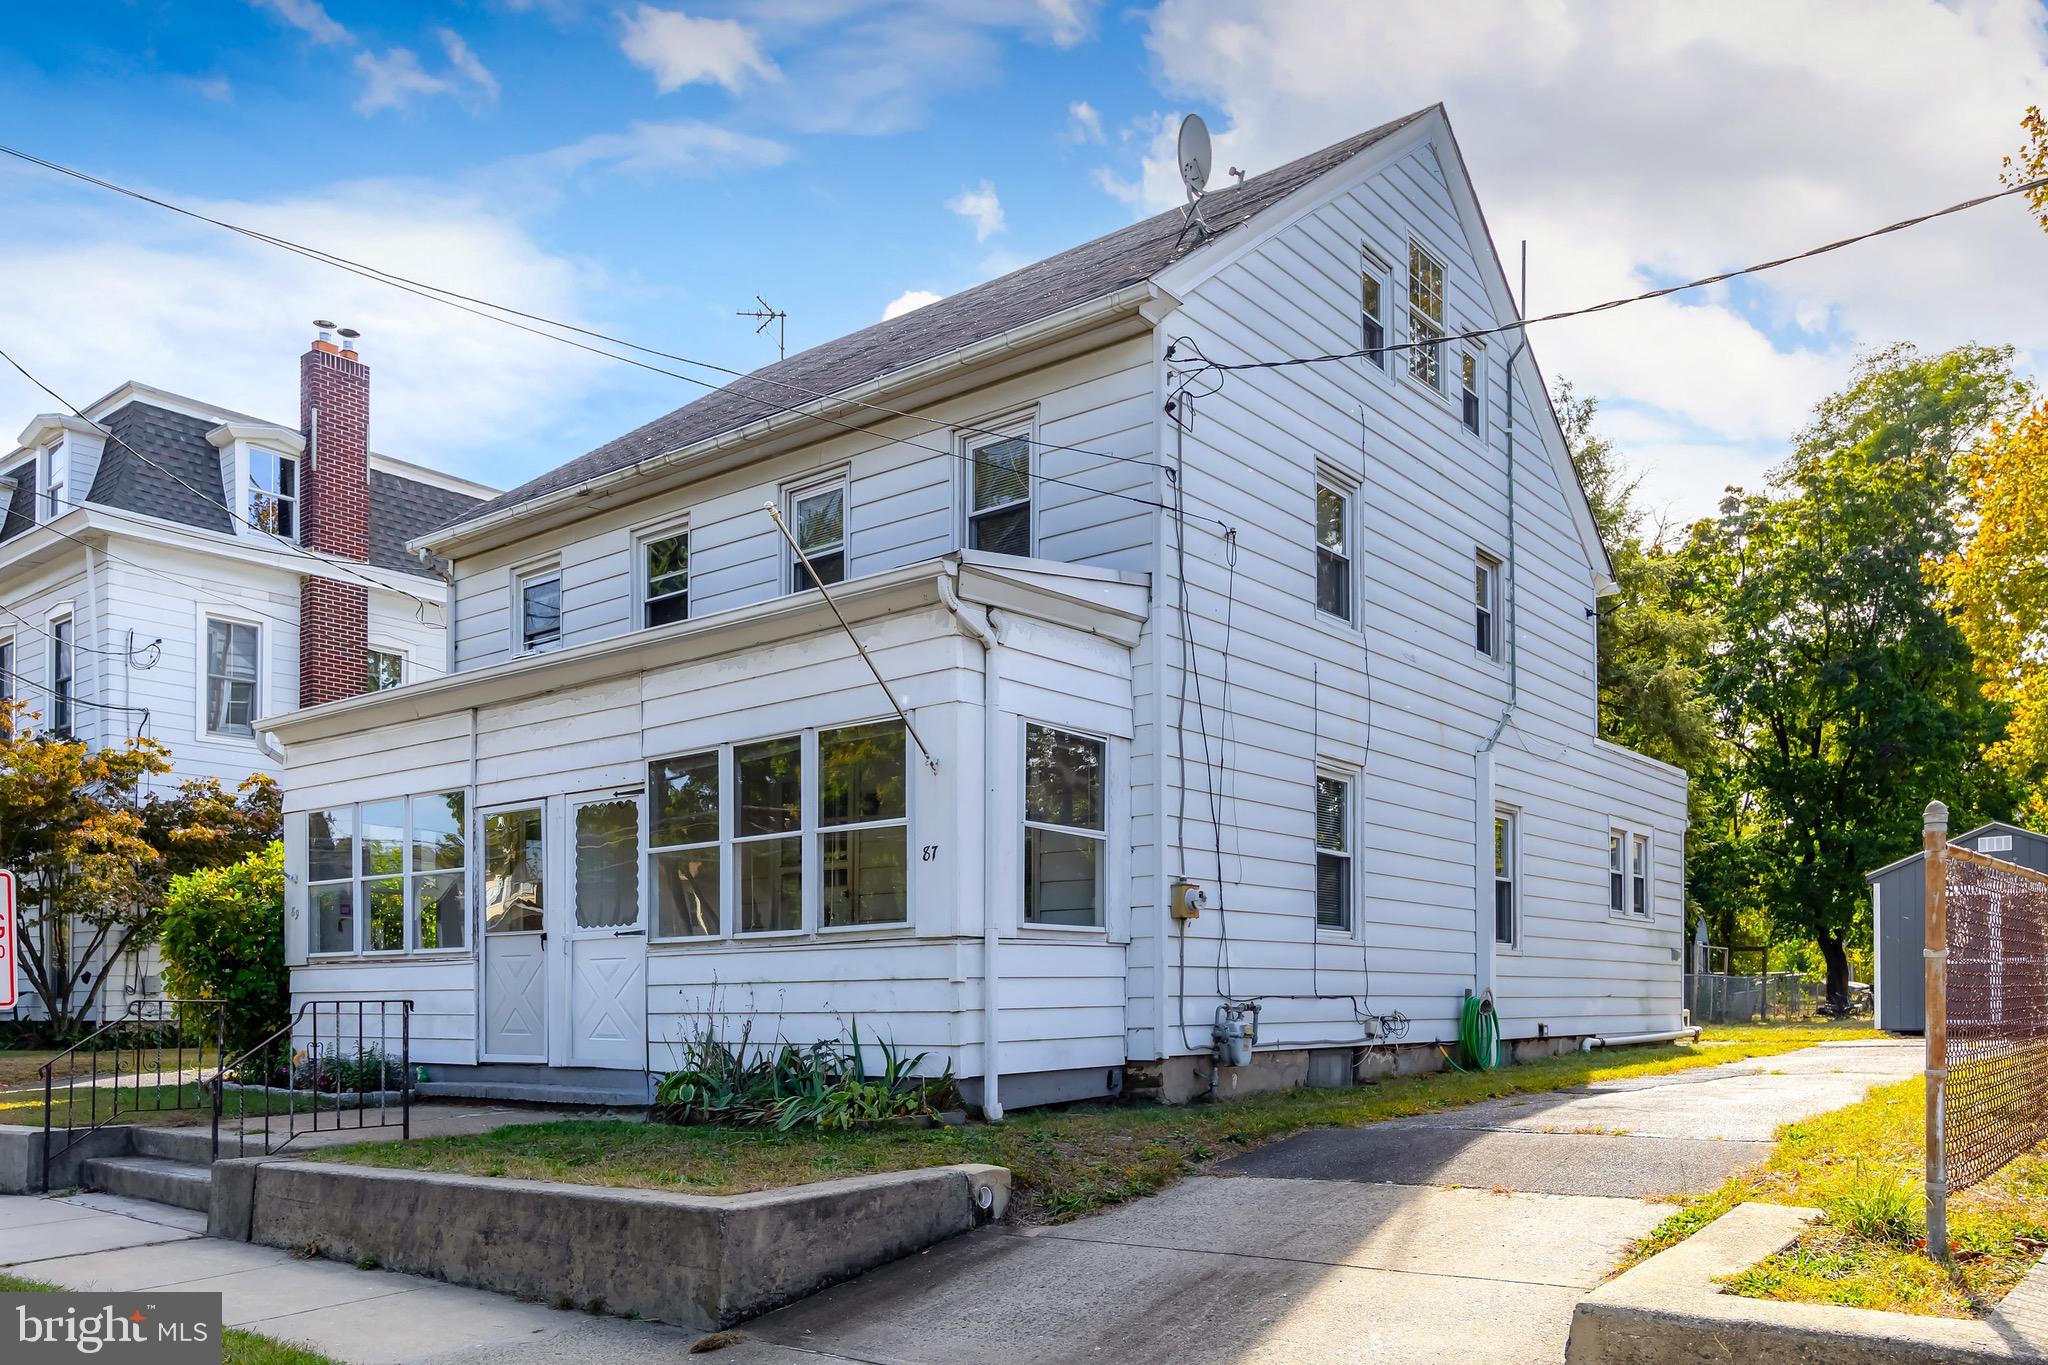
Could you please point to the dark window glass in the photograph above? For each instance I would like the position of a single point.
(685, 793)
(668, 579)
(1333, 559)
(1000, 519)
(540, 611)
(1333, 854)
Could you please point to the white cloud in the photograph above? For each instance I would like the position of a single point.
(392, 80)
(309, 18)
(909, 301)
(215, 88)
(1084, 124)
(980, 207)
(685, 147)
(467, 64)
(1070, 20)
(680, 50)
(1635, 143)
(223, 318)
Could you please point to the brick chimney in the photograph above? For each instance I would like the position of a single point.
(334, 503)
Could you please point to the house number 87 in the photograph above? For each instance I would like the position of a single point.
(930, 853)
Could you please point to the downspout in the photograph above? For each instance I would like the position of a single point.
(1482, 761)
(980, 624)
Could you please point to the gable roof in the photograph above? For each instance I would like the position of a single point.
(1988, 827)
(1092, 270)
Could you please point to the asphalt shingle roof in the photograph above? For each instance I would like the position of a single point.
(401, 508)
(1089, 271)
(21, 507)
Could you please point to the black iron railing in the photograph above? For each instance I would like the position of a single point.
(152, 1059)
(338, 1064)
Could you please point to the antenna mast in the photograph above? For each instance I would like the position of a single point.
(768, 315)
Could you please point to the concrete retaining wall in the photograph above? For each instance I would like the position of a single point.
(21, 1156)
(700, 1261)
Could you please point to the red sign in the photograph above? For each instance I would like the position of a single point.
(8, 967)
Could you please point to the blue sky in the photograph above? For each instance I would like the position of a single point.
(647, 168)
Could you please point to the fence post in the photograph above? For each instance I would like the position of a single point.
(1934, 840)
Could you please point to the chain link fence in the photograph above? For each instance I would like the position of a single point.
(1995, 1103)
(1739, 997)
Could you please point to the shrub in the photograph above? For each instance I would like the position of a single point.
(223, 939)
(821, 1085)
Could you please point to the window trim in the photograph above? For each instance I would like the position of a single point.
(1630, 835)
(534, 571)
(1104, 880)
(202, 729)
(793, 574)
(9, 667)
(398, 651)
(989, 431)
(1491, 564)
(1354, 920)
(646, 536)
(49, 460)
(1345, 487)
(1371, 265)
(1441, 323)
(1643, 884)
(407, 876)
(728, 887)
(64, 615)
(1472, 354)
(1512, 816)
(250, 492)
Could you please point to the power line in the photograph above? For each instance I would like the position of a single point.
(1483, 332)
(444, 295)
(201, 494)
(129, 654)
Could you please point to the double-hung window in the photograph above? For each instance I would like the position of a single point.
(1506, 927)
(538, 602)
(1064, 827)
(1373, 309)
(56, 482)
(1333, 853)
(1486, 605)
(768, 834)
(6, 670)
(683, 836)
(1639, 873)
(274, 492)
(1425, 315)
(817, 518)
(1333, 552)
(232, 659)
(62, 664)
(665, 561)
(999, 505)
(383, 669)
(389, 876)
(1617, 876)
(1468, 390)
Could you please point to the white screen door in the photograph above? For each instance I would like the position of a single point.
(515, 934)
(607, 937)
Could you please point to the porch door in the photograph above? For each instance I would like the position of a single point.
(515, 934)
(607, 935)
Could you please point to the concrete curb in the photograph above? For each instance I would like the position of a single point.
(702, 1261)
(1669, 1309)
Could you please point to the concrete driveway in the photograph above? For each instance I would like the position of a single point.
(1465, 1236)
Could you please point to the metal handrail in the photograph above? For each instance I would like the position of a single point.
(262, 1052)
(106, 1038)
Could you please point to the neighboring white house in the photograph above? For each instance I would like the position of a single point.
(1297, 637)
(157, 559)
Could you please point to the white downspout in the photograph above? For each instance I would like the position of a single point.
(979, 625)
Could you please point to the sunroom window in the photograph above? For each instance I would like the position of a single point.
(863, 810)
(683, 836)
(768, 830)
(389, 876)
(1064, 827)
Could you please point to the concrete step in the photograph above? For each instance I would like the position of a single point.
(193, 1146)
(154, 1178)
(581, 1086)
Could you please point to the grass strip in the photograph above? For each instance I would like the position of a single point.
(1064, 1162)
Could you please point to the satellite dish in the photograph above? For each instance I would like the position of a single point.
(1196, 155)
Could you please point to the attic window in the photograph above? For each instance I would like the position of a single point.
(274, 492)
(56, 475)
(1425, 315)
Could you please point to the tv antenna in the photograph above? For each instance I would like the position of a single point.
(1197, 157)
(768, 315)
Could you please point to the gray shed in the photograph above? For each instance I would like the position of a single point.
(1898, 908)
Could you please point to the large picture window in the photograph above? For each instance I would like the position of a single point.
(389, 876)
(1064, 827)
(231, 678)
(999, 513)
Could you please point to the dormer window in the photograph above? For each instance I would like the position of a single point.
(274, 492)
(56, 495)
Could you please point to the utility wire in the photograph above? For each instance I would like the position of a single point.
(1481, 333)
(442, 294)
(155, 645)
(325, 561)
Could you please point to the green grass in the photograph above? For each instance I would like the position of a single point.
(237, 1347)
(1863, 1166)
(153, 1105)
(1064, 1162)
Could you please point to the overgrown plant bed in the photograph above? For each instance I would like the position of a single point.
(1064, 1162)
(1863, 1166)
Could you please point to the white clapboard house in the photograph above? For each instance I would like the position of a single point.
(175, 569)
(1299, 638)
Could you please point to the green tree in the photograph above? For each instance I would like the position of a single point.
(1845, 695)
(223, 939)
(93, 845)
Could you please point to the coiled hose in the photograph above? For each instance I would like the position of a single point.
(1479, 1034)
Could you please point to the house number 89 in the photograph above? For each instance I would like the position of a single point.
(930, 853)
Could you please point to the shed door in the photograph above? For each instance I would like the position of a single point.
(607, 935)
(515, 934)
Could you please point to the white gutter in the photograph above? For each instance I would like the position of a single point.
(1626, 1039)
(979, 624)
(1075, 319)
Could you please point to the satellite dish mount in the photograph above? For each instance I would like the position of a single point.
(1197, 158)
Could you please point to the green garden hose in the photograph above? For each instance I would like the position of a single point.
(1479, 1034)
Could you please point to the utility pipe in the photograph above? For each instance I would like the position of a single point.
(1626, 1039)
(980, 625)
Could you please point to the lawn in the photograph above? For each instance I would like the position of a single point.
(1064, 1162)
(1864, 1167)
(237, 1347)
(18, 1067)
(153, 1105)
